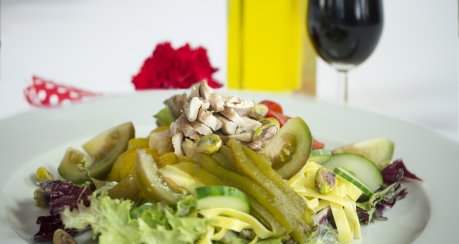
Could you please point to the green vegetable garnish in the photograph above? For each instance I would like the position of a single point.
(117, 221)
(164, 117)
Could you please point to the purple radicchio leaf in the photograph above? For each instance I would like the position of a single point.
(388, 195)
(384, 198)
(391, 172)
(364, 215)
(58, 194)
(323, 216)
(49, 224)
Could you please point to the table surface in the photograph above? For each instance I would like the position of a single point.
(100, 44)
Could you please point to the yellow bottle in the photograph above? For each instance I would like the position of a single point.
(267, 46)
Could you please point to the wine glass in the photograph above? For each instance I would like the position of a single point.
(344, 33)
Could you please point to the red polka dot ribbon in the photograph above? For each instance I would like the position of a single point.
(45, 93)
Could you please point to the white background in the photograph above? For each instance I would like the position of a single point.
(100, 44)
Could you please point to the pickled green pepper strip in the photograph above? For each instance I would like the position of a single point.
(223, 161)
(226, 152)
(262, 214)
(272, 203)
(199, 173)
(264, 175)
(263, 165)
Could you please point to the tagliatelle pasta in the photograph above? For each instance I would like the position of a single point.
(342, 200)
(235, 220)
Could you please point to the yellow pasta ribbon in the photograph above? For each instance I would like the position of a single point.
(236, 220)
(228, 223)
(255, 240)
(344, 231)
(354, 221)
(207, 238)
(313, 203)
(220, 234)
(341, 200)
(352, 191)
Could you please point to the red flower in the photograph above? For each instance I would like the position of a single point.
(168, 68)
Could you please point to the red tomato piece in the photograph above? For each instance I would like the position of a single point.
(317, 144)
(273, 106)
(278, 116)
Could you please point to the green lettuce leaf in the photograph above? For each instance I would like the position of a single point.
(164, 117)
(384, 198)
(117, 221)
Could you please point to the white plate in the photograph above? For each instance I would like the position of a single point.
(428, 214)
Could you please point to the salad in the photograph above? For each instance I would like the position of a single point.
(218, 169)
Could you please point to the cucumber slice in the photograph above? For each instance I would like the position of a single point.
(358, 166)
(320, 156)
(320, 152)
(222, 197)
(341, 172)
(319, 159)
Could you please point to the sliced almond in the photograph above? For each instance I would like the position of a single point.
(217, 102)
(189, 147)
(205, 90)
(250, 124)
(182, 125)
(244, 107)
(207, 118)
(205, 104)
(173, 128)
(201, 128)
(176, 104)
(192, 109)
(177, 143)
(194, 91)
(230, 114)
(231, 101)
(244, 137)
(228, 126)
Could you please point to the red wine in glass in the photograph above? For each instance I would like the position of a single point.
(344, 33)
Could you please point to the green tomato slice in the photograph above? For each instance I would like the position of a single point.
(290, 148)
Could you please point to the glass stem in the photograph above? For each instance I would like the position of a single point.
(343, 86)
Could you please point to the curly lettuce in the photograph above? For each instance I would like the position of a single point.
(118, 221)
(57, 195)
(164, 117)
